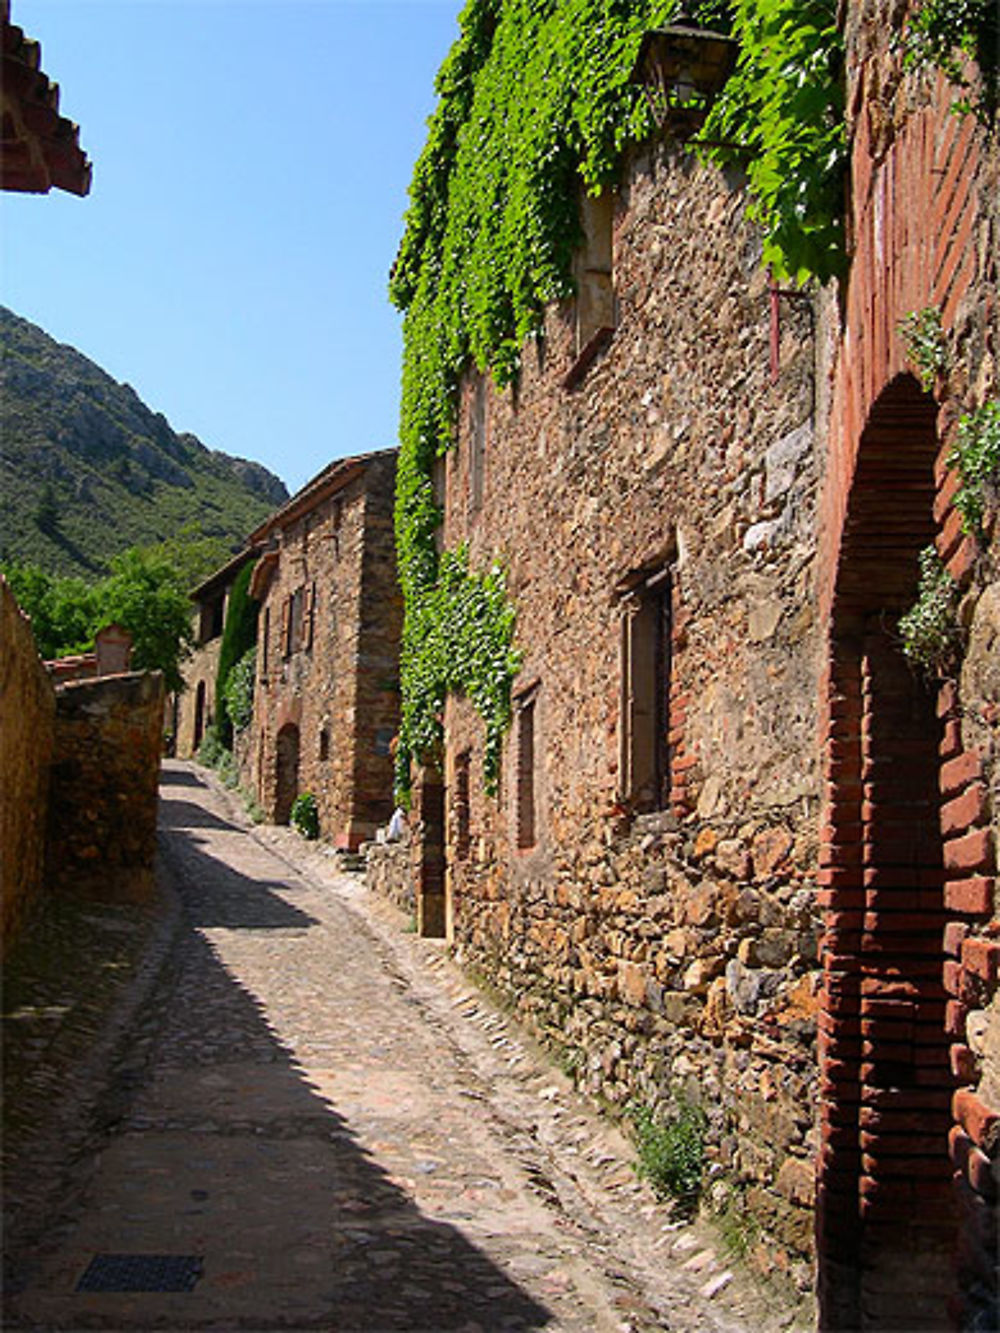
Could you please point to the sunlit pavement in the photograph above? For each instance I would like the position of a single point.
(318, 1123)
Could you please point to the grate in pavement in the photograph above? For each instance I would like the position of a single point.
(141, 1272)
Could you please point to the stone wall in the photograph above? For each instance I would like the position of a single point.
(389, 872)
(665, 942)
(27, 719)
(103, 796)
(326, 705)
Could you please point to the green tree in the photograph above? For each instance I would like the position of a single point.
(144, 594)
(62, 610)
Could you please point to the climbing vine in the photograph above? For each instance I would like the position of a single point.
(976, 455)
(947, 34)
(930, 630)
(535, 102)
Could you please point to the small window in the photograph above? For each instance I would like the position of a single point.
(461, 807)
(265, 638)
(309, 623)
(294, 621)
(324, 744)
(646, 671)
(525, 808)
(593, 270)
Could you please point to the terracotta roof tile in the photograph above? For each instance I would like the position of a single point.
(39, 148)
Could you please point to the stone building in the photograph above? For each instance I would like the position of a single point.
(194, 707)
(741, 851)
(326, 705)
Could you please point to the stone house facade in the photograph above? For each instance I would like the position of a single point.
(741, 852)
(194, 707)
(326, 705)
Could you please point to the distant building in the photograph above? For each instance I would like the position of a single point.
(326, 705)
(194, 707)
(111, 656)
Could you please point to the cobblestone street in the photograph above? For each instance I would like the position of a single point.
(318, 1111)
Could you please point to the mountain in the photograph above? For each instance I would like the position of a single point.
(87, 469)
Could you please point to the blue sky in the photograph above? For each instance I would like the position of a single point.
(251, 161)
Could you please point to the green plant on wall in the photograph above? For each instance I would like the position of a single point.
(239, 635)
(781, 117)
(947, 35)
(930, 630)
(671, 1149)
(239, 690)
(536, 104)
(976, 455)
(304, 815)
(926, 348)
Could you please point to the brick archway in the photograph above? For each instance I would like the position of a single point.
(885, 1229)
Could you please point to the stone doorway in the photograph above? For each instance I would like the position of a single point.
(432, 876)
(885, 1227)
(287, 772)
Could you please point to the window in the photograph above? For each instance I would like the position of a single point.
(524, 812)
(645, 710)
(308, 627)
(593, 271)
(324, 744)
(211, 619)
(265, 641)
(461, 807)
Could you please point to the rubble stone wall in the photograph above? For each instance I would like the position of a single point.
(335, 693)
(105, 769)
(27, 719)
(672, 951)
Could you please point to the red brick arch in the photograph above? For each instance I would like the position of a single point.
(904, 861)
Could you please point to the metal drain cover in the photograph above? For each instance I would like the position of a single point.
(141, 1272)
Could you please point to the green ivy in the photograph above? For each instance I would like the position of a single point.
(930, 630)
(976, 455)
(239, 634)
(239, 690)
(946, 34)
(926, 348)
(781, 116)
(304, 815)
(457, 638)
(535, 103)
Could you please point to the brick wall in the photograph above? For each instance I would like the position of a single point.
(27, 716)
(103, 796)
(909, 1020)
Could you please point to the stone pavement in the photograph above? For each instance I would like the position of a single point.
(326, 1119)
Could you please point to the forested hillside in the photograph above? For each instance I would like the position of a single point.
(88, 470)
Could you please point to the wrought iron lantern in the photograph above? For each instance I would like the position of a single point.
(684, 65)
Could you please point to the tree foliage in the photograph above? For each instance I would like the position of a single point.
(143, 593)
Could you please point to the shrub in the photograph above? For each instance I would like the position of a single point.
(977, 456)
(305, 816)
(239, 690)
(671, 1150)
(930, 629)
(926, 348)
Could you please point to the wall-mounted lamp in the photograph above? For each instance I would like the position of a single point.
(683, 66)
